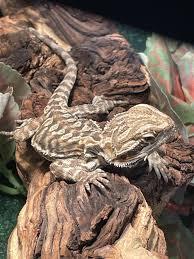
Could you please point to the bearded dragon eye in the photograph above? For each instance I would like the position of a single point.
(149, 139)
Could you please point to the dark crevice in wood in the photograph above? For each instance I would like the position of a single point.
(116, 223)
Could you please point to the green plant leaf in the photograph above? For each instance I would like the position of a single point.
(7, 149)
(186, 112)
(9, 111)
(162, 66)
(160, 99)
(14, 79)
(13, 89)
(186, 70)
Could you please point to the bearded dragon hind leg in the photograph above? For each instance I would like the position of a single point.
(73, 170)
(24, 131)
(156, 162)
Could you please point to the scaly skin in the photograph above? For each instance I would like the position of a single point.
(77, 147)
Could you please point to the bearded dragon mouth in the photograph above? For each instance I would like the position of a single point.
(129, 163)
(131, 160)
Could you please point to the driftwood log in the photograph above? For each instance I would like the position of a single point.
(59, 220)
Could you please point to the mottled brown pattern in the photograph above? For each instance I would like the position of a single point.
(72, 25)
(47, 225)
(110, 67)
(62, 133)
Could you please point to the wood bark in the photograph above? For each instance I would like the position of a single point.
(60, 220)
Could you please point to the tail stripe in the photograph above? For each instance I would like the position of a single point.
(63, 90)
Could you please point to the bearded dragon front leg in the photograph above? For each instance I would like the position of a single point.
(159, 164)
(99, 105)
(24, 131)
(74, 170)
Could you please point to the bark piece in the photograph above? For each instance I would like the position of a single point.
(72, 25)
(66, 25)
(59, 219)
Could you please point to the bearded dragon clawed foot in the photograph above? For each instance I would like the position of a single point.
(78, 148)
(73, 170)
(160, 165)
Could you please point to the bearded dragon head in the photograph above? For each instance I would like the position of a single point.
(132, 135)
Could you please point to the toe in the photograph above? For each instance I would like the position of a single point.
(150, 166)
(99, 184)
(163, 172)
(102, 175)
(87, 186)
(157, 171)
(104, 182)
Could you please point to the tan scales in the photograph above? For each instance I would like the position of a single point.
(78, 148)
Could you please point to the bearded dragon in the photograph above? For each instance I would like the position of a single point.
(78, 148)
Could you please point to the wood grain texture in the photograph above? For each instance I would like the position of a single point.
(58, 220)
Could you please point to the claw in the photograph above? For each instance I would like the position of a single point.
(163, 171)
(165, 177)
(98, 178)
(103, 180)
(159, 165)
(82, 198)
(157, 171)
(150, 165)
(98, 184)
(87, 186)
(101, 173)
